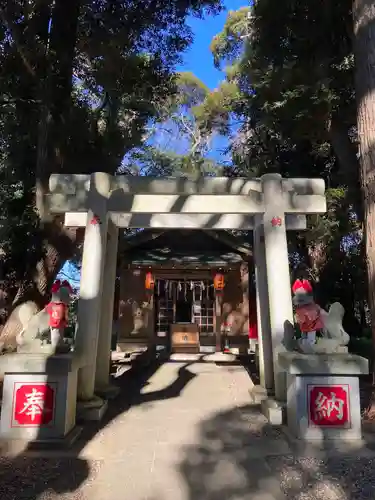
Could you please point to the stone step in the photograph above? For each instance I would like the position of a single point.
(258, 394)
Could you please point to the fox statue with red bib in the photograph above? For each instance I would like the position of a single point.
(43, 332)
(57, 311)
(312, 318)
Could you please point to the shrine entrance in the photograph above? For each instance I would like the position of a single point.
(185, 301)
(269, 206)
(169, 290)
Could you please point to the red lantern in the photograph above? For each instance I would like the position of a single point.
(219, 282)
(149, 282)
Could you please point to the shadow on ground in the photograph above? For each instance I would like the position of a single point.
(237, 455)
(224, 466)
(36, 478)
(59, 473)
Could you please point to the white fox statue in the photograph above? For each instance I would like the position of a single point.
(334, 339)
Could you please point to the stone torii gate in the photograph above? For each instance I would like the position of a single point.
(102, 203)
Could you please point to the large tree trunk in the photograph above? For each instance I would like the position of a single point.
(56, 90)
(346, 153)
(364, 49)
(56, 76)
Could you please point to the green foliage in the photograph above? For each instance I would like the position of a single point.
(227, 45)
(214, 112)
(286, 103)
(160, 162)
(122, 69)
(299, 59)
(191, 90)
(70, 330)
(362, 346)
(289, 90)
(178, 142)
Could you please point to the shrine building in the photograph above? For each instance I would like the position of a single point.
(182, 289)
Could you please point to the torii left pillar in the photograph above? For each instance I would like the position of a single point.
(90, 303)
(103, 357)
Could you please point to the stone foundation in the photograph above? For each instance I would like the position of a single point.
(39, 398)
(323, 395)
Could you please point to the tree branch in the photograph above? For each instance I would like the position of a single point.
(6, 102)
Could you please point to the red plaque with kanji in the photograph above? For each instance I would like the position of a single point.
(328, 406)
(33, 404)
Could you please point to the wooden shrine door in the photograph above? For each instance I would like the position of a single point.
(173, 295)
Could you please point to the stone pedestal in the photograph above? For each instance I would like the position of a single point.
(39, 399)
(323, 395)
(92, 410)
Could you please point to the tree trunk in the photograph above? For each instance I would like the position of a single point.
(55, 89)
(364, 50)
(346, 154)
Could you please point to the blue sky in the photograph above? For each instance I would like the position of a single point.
(71, 273)
(198, 58)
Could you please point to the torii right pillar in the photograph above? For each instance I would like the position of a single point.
(280, 199)
(278, 274)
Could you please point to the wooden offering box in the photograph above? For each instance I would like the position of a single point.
(185, 337)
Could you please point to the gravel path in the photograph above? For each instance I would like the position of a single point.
(334, 478)
(46, 478)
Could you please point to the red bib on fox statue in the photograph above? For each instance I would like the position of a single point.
(57, 310)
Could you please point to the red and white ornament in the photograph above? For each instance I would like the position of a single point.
(276, 221)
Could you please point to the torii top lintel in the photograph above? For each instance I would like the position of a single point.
(220, 195)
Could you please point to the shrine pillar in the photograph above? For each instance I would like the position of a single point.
(218, 316)
(103, 359)
(263, 313)
(278, 275)
(90, 301)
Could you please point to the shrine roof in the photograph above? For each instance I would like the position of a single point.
(185, 247)
(165, 256)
